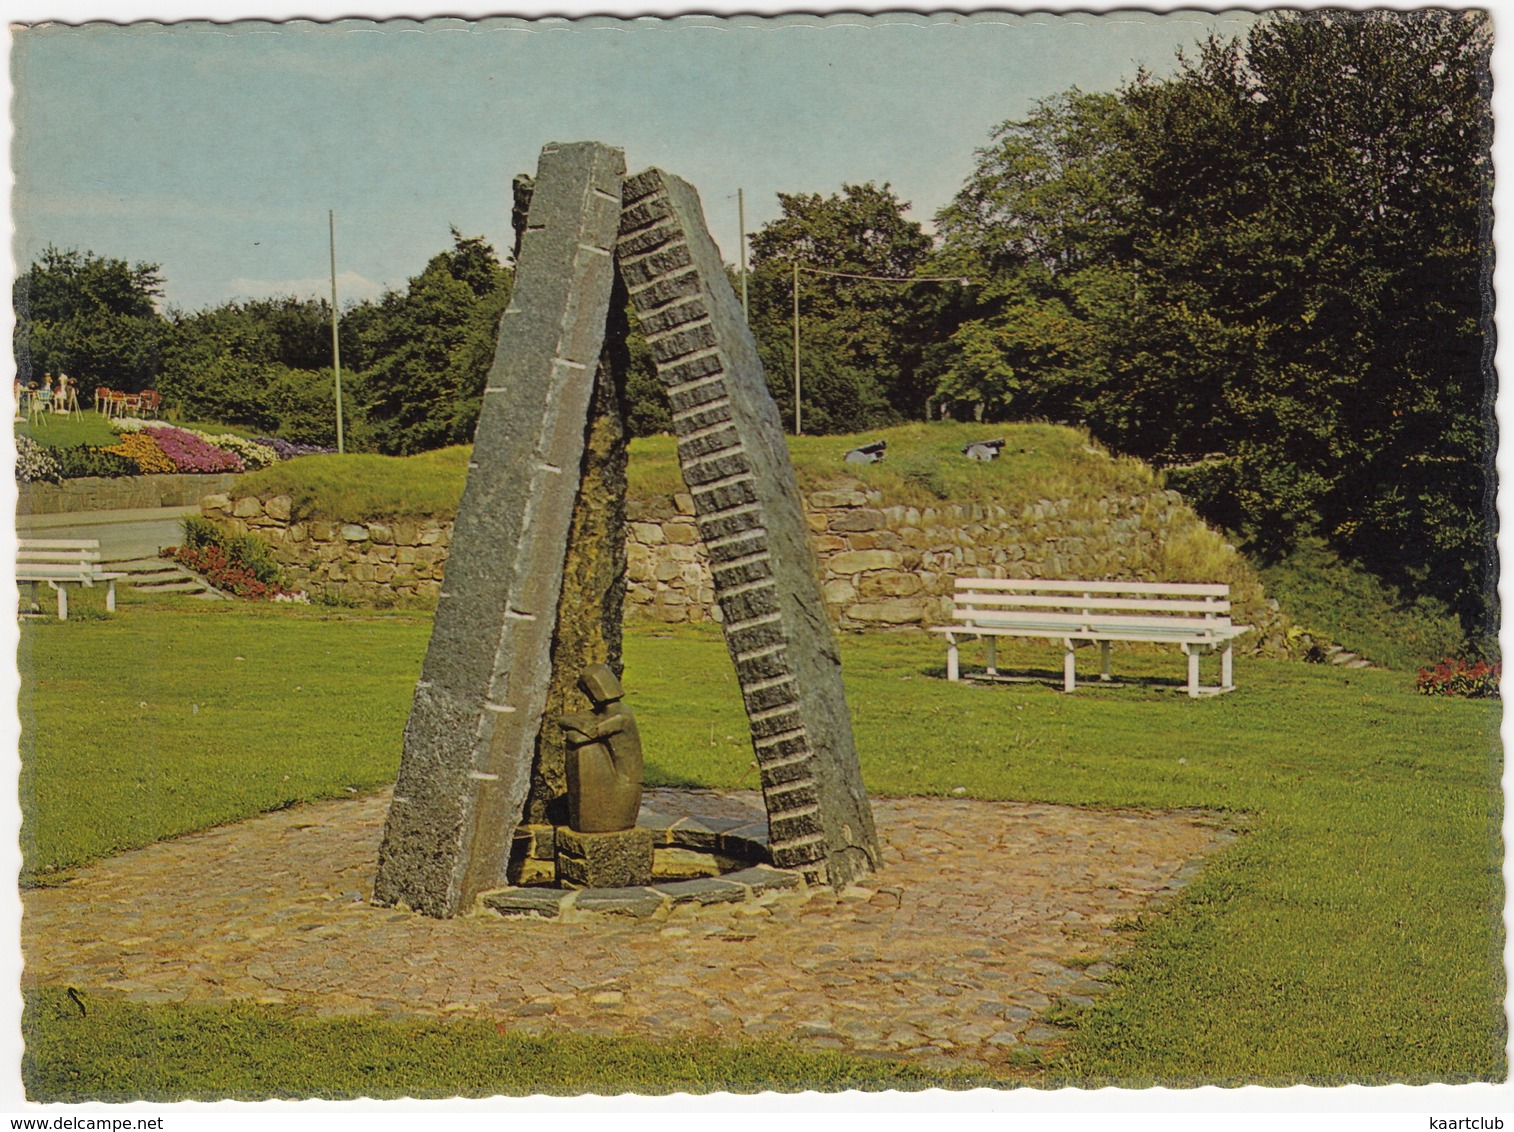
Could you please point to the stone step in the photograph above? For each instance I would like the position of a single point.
(141, 565)
(172, 586)
(161, 576)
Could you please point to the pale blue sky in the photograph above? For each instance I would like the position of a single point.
(216, 150)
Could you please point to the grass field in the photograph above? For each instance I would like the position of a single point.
(1353, 935)
(61, 431)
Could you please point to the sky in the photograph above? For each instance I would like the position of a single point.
(216, 150)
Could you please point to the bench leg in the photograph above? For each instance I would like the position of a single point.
(1192, 652)
(110, 596)
(1104, 657)
(1069, 669)
(993, 657)
(952, 671)
(62, 599)
(1226, 675)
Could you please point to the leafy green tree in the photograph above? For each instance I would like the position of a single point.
(263, 363)
(1050, 189)
(1269, 270)
(859, 335)
(428, 350)
(92, 317)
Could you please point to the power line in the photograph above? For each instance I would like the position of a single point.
(798, 267)
(885, 278)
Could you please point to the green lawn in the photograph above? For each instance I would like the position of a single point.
(1354, 934)
(246, 1052)
(55, 430)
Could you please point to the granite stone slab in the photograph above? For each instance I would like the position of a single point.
(735, 462)
(470, 741)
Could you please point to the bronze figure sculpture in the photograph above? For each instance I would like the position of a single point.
(604, 758)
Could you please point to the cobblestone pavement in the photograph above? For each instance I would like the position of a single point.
(986, 914)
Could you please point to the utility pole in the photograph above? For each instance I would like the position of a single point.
(798, 430)
(746, 312)
(336, 344)
(908, 280)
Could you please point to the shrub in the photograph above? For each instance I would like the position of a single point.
(1455, 677)
(87, 460)
(34, 463)
(239, 564)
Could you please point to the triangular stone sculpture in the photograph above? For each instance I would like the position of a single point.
(546, 489)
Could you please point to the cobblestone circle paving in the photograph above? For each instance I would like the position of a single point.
(985, 916)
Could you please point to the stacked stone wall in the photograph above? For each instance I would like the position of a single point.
(118, 493)
(374, 562)
(881, 565)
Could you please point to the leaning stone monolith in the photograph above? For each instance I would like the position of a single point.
(736, 465)
(472, 733)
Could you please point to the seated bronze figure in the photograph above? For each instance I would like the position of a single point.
(604, 758)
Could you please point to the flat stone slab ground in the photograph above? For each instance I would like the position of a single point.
(986, 914)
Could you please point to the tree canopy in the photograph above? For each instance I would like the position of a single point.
(862, 337)
(1268, 273)
(426, 351)
(89, 316)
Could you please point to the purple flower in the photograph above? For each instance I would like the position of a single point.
(190, 453)
(288, 450)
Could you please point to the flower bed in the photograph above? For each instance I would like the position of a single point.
(288, 450)
(153, 448)
(1455, 677)
(236, 564)
(34, 463)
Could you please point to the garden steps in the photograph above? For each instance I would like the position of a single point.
(161, 576)
(1344, 658)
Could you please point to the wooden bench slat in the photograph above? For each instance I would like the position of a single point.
(1134, 604)
(57, 556)
(1214, 589)
(1013, 619)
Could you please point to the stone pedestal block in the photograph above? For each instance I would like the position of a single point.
(604, 860)
(533, 855)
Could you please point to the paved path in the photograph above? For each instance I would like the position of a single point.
(122, 535)
(985, 915)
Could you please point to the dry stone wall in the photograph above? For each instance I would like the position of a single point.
(118, 493)
(881, 565)
(360, 562)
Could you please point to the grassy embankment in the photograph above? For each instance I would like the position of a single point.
(1352, 935)
(924, 468)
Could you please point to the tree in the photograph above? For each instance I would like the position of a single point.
(860, 336)
(90, 316)
(263, 363)
(1271, 268)
(1050, 190)
(428, 350)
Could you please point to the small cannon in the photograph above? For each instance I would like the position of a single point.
(867, 454)
(983, 449)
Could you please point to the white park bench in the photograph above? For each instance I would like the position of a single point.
(59, 562)
(1195, 616)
